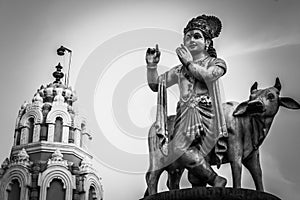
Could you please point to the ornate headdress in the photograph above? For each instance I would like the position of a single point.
(210, 25)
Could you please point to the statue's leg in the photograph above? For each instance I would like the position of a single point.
(152, 178)
(174, 176)
(196, 181)
(205, 173)
(200, 168)
(253, 165)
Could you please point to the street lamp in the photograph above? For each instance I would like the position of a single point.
(61, 52)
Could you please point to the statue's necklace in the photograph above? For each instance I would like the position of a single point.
(200, 61)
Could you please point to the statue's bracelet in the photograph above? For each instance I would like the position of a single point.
(152, 66)
(188, 63)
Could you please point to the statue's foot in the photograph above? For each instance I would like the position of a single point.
(220, 181)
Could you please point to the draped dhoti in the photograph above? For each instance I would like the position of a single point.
(194, 128)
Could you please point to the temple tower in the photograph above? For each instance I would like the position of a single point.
(49, 158)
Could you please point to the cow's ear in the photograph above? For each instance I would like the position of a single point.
(241, 109)
(289, 103)
(253, 87)
(277, 84)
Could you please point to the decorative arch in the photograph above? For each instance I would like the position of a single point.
(93, 180)
(67, 120)
(20, 114)
(37, 116)
(53, 114)
(22, 175)
(35, 113)
(56, 172)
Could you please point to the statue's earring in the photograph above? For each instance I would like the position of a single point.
(207, 43)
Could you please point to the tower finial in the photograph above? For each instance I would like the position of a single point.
(58, 74)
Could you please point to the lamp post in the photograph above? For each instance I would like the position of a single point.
(61, 52)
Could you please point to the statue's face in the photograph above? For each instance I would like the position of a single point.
(194, 41)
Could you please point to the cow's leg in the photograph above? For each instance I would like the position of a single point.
(235, 158)
(174, 176)
(152, 178)
(236, 169)
(253, 165)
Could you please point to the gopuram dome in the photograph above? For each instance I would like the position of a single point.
(49, 158)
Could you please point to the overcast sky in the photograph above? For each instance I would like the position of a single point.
(260, 40)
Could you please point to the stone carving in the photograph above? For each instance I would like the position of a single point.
(248, 124)
(57, 159)
(199, 121)
(86, 165)
(4, 167)
(22, 158)
(197, 136)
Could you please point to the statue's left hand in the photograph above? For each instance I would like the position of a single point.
(184, 55)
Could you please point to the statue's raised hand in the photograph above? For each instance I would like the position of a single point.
(152, 56)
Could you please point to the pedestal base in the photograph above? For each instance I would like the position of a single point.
(211, 193)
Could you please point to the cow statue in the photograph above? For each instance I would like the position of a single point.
(248, 124)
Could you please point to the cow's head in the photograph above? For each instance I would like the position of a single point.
(265, 102)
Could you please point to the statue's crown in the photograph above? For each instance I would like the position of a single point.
(210, 25)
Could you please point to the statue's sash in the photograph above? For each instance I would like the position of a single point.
(162, 114)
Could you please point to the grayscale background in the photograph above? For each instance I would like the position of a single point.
(260, 40)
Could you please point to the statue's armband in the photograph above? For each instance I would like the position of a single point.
(217, 72)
